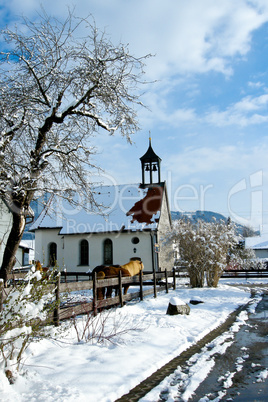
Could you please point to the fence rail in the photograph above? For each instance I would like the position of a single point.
(243, 273)
(157, 281)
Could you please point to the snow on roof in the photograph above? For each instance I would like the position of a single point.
(27, 244)
(261, 245)
(121, 207)
(257, 242)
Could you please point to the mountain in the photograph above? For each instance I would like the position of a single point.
(195, 215)
(207, 217)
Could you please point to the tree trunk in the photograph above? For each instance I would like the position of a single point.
(197, 277)
(213, 275)
(12, 245)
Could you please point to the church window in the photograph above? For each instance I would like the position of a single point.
(52, 250)
(135, 240)
(84, 252)
(108, 252)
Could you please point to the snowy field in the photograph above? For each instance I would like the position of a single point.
(67, 370)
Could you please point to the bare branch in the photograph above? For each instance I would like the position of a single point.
(57, 89)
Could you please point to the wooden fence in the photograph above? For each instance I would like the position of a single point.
(247, 274)
(232, 273)
(155, 282)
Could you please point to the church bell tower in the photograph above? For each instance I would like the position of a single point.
(150, 166)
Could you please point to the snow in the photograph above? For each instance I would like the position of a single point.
(175, 301)
(262, 375)
(182, 384)
(64, 369)
(27, 244)
(198, 367)
(257, 242)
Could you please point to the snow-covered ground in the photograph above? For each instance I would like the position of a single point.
(66, 370)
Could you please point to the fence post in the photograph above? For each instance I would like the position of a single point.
(155, 292)
(174, 278)
(166, 276)
(56, 318)
(120, 288)
(95, 309)
(141, 289)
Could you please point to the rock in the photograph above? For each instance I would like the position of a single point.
(196, 300)
(177, 306)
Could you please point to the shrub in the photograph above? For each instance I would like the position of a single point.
(28, 306)
(203, 248)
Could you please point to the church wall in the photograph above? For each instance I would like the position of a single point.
(261, 253)
(42, 240)
(124, 248)
(68, 249)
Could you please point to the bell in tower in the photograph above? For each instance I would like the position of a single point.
(150, 166)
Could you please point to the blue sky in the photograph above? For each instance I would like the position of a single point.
(208, 113)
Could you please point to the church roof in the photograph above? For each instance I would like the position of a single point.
(263, 245)
(123, 207)
(257, 242)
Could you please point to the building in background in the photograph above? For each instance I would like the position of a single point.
(132, 223)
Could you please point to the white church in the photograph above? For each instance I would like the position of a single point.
(131, 222)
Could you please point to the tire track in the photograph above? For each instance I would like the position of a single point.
(152, 381)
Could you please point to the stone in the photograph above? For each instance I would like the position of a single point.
(196, 300)
(177, 306)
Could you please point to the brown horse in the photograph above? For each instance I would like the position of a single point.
(113, 272)
(132, 268)
(106, 271)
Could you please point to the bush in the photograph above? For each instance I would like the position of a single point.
(203, 248)
(106, 327)
(27, 307)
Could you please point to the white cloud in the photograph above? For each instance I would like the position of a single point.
(201, 161)
(186, 36)
(176, 117)
(256, 85)
(193, 36)
(250, 103)
(250, 110)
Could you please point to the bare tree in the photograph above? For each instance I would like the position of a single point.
(248, 231)
(241, 257)
(57, 90)
(204, 248)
